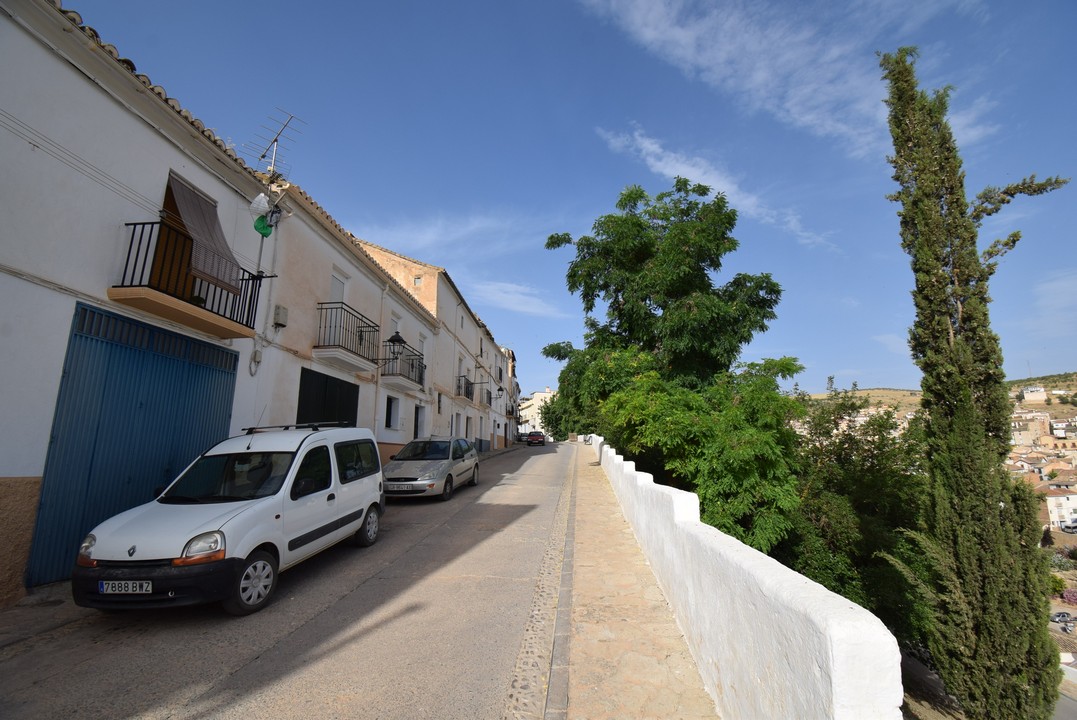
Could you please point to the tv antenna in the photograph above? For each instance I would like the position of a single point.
(268, 153)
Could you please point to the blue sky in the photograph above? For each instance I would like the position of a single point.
(465, 133)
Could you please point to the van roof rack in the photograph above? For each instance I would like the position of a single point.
(313, 426)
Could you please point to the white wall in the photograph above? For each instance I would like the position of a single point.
(769, 642)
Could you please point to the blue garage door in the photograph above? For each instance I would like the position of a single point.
(136, 405)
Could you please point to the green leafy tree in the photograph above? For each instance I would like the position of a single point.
(983, 577)
(652, 264)
(732, 442)
(656, 377)
(860, 483)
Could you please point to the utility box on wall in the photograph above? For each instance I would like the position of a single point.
(280, 316)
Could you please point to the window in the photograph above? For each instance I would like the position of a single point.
(336, 288)
(314, 474)
(417, 281)
(356, 460)
(439, 403)
(391, 412)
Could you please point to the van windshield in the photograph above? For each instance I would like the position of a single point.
(230, 478)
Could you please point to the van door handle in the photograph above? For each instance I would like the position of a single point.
(332, 496)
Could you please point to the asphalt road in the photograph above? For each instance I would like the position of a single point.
(427, 623)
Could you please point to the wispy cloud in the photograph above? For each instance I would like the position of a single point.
(524, 299)
(969, 124)
(430, 236)
(897, 344)
(810, 64)
(671, 164)
(1050, 290)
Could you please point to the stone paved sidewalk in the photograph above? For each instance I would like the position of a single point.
(627, 656)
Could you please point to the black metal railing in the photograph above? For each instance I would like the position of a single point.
(341, 326)
(159, 257)
(465, 387)
(487, 397)
(409, 364)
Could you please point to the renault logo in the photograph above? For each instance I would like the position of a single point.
(131, 551)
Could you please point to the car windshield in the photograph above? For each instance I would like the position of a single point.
(424, 450)
(230, 478)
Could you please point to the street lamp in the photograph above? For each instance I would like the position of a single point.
(396, 345)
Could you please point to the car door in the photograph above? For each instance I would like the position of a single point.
(359, 477)
(464, 457)
(310, 510)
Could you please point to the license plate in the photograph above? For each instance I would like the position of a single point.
(398, 486)
(124, 587)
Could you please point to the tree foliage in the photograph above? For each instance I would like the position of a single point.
(652, 264)
(982, 575)
(860, 482)
(732, 442)
(657, 378)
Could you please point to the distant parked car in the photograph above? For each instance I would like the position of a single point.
(431, 466)
(1069, 526)
(536, 438)
(243, 511)
(1061, 617)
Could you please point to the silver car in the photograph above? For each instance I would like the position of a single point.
(431, 466)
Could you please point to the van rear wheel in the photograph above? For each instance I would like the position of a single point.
(367, 534)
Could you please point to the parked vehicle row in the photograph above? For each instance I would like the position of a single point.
(253, 506)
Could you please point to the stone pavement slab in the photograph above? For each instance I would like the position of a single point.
(627, 656)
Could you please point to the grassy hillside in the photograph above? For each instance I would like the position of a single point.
(1063, 381)
(906, 400)
(903, 400)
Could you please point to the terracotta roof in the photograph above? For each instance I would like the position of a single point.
(76, 19)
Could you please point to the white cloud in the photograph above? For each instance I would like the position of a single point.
(422, 237)
(523, 299)
(671, 164)
(896, 344)
(812, 65)
(968, 124)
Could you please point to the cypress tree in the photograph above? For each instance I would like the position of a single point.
(986, 584)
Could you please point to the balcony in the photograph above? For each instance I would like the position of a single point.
(405, 371)
(159, 278)
(347, 339)
(465, 388)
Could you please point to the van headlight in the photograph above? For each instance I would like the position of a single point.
(85, 558)
(204, 548)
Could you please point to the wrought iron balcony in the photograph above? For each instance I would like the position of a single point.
(465, 387)
(408, 364)
(342, 327)
(159, 276)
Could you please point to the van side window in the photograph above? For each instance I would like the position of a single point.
(314, 474)
(356, 460)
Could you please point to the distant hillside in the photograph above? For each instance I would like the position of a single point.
(904, 400)
(1063, 381)
(909, 400)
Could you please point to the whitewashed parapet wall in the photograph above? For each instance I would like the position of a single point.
(769, 642)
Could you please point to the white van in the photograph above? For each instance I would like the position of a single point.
(243, 511)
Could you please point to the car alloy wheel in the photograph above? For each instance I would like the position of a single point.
(446, 488)
(474, 476)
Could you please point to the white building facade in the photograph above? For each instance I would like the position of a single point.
(147, 317)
